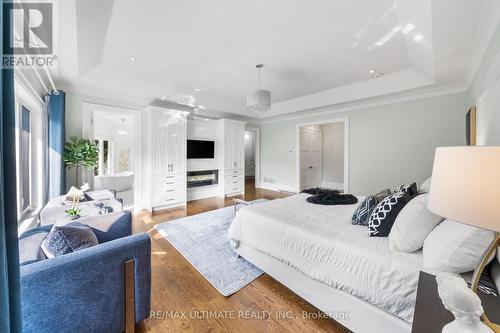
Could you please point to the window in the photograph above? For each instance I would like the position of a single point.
(30, 146)
(25, 160)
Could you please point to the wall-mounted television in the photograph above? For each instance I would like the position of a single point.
(200, 149)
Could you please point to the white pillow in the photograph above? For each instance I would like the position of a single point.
(455, 247)
(412, 226)
(426, 186)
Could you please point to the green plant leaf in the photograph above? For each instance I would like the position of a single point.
(80, 152)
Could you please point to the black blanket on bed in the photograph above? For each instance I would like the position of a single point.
(329, 197)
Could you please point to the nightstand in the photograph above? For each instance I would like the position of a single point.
(430, 315)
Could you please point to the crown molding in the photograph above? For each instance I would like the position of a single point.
(372, 102)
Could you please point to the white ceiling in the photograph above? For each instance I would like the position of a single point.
(316, 53)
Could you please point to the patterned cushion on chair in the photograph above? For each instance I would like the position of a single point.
(384, 215)
(363, 212)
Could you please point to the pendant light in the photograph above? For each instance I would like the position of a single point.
(259, 100)
(122, 131)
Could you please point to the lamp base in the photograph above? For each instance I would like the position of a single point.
(494, 327)
(477, 276)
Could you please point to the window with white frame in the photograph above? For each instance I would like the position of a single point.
(24, 159)
(30, 151)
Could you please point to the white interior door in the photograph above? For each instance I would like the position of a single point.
(249, 153)
(310, 157)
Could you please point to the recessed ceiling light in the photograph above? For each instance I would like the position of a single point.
(418, 38)
(131, 59)
(375, 73)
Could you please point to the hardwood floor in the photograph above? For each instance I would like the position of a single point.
(183, 301)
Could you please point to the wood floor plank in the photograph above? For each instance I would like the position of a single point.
(184, 301)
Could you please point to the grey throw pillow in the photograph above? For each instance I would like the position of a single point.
(68, 238)
(382, 195)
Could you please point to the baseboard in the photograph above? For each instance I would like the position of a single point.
(332, 185)
(277, 187)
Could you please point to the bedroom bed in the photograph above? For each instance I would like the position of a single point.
(316, 252)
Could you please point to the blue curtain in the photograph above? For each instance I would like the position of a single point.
(56, 133)
(10, 306)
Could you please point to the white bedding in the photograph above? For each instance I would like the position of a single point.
(320, 242)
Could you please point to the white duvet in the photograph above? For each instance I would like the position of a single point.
(320, 242)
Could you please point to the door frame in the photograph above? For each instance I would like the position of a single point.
(344, 120)
(257, 153)
(88, 132)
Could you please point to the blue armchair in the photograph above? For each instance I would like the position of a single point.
(85, 291)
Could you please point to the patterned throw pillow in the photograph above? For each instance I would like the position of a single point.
(363, 212)
(384, 215)
(410, 188)
(68, 238)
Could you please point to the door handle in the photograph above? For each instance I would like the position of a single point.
(310, 167)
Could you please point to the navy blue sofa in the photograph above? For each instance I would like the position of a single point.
(84, 291)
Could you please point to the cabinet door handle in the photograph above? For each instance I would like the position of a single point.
(172, 167)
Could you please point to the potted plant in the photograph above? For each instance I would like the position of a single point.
(80, 153)
(75, 195)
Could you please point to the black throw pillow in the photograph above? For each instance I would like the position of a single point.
(385, 213)
(364, 211)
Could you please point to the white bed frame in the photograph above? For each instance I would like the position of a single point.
(362, 316)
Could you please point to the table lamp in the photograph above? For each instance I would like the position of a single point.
(465, 187)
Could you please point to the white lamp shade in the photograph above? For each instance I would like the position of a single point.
(465, 185)
(259, 100)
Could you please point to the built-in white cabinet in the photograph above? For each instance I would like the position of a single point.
(233, 172)
(165, 157)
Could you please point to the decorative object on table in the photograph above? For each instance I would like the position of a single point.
(80, 153)
(76, 195)
(465, 187)
(470, 124)
(463, 304)
(103, 207)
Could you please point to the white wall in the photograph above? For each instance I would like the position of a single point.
(389, 144)
(485, 92)
(203, 130)
(333, 154)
